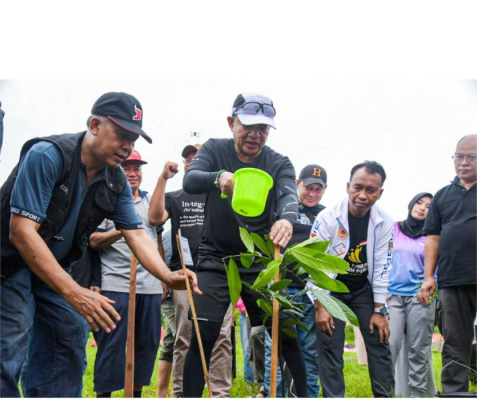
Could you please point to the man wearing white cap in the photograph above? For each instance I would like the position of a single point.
(186, 212)
(110, 363)
(211, 172)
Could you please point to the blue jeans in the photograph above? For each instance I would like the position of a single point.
(309, 349)
(42, 338)
(244, 337)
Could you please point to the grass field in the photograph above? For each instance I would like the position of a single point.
(356, 376)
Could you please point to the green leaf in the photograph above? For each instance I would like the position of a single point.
(234, 281)
(270, 246)
(295, 321)
(281, 284)
(265, 306)
(320, 261)
(323, 281)
(283, 301)
(307, 242)
(246, 259)
(301, 270)
(263, 261)
(352, 318)
(260, 243)
(335, 307)
(247, 284)
(289, 332)
(266, 275)
(319, 246)
(246, 239)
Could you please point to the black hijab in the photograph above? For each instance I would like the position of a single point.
(411, 226)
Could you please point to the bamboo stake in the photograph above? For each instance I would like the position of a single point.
(275, 333)
(194, 315)
(129, 375)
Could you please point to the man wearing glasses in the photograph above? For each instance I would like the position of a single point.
(186, 212)
(211, 172)
(450, 231)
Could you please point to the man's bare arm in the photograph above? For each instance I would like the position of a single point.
(101, 240)
(431, 252)
(157, 210)
(146, 252)
(24, 236)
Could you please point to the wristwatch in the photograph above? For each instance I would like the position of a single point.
(381, 310)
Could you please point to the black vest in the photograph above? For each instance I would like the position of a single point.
(99, 201)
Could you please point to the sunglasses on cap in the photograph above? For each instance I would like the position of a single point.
(254, 108)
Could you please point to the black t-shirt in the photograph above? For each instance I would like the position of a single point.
(301, 232)
(453, 216)
(186, 212)
(357, 259)
(221, 235)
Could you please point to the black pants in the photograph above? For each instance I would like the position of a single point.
(458, 308)
(211, 308)
(331, 350)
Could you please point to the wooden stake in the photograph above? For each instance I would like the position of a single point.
(194, 315)
(275, 332)
(129, 376)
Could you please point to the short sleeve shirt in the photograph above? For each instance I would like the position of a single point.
(39, 171)
(186, 212)
(453, 216)
(116, 259)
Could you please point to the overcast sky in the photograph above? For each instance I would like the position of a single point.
(410, 127)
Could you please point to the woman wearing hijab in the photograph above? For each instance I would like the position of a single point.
(410, 323)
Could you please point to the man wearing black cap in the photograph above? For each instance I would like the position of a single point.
(211, 172)
(186, 212)
(62, 189)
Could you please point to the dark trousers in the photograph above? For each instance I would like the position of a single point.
(331, 350)
(110, 363)
(458, 308)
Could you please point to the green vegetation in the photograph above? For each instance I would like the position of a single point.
(356, 376)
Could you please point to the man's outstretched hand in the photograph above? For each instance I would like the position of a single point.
(176, 280)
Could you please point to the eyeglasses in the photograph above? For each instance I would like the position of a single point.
(254, 108)
(187, 160)
(458, 158)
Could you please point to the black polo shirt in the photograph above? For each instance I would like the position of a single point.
(453, 216)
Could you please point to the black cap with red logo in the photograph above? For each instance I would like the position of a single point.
(313, 174)
(123, 109)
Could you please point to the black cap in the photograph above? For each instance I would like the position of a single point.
(313, 174)
(123, 109)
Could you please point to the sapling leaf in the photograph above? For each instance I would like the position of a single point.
(246, 259)
(247, 284)
(295, 321)
(289, 332)
(263, 261)
(352, 318)
(320, 261)
(335, 307)
(281, 284)
(270, 245)
(266, 275)
(306, 242)
(319, 246)
(246, 239)
(265, 306)
(323, 281)
(234, 281)
(260, 243)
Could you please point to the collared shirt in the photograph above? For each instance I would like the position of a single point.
(39, 171)
(453, 217)
(116, 259)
